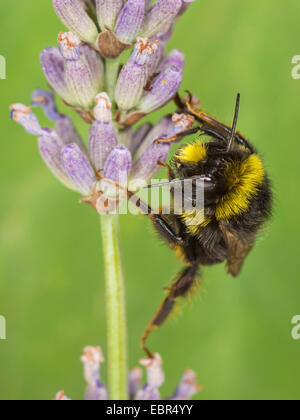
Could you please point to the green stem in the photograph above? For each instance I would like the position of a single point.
(111, 76)
(116, 314)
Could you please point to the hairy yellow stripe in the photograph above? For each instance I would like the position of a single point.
(193, 153)
(244, 179)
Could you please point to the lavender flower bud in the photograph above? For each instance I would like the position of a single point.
(78, 169)
(107, 12)
(187, 388)
(74, 16)
(134, 75)
(23, 115)
(159, 16)
(91, 359)
(81, 79)
(135, 378)
(161, 129)
(181, 122)
(130, 20)
(60, 396)
(118, 165)
(64, 126)
(146, 166)
(139, 136)
(102, 138)
(95, 63)
(53, 66)
(50, 146)
(175, 58)
(163, 88)
(155, 380)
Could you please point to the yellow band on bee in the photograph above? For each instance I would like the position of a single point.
(193, 153)
(244, 179)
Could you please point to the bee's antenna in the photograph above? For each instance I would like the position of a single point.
(236, 115)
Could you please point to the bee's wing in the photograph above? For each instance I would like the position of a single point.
(238, 248)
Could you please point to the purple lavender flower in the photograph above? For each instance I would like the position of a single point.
(130, 20)
(80, 78)
(134, 75)
(108, 12)
(96, 391)
(163, 88)
(76, 19)
(160, 16)
(102, 138)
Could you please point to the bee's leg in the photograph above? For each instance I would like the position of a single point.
(180, 288)
(160, 221)
(178, 137)
(171, 173)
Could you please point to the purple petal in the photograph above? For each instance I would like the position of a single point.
(95, 63)
(187, 388)
(175, 58)
(161, 129)
(78, 169)
(160, 15)
(118, 165)
(135, 378)
(74, 16)
(81, 83)
(146, 166)
(50, 146)
(155, 379)
(134, 75)
(102, 141)
(23, 115)
(68, 133)
(46, 100)
(102, 138)
(163, 89)
(130, 20)
(91, 359)
(53, 66)
(107, 12)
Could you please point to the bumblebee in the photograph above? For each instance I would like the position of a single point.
(237, 203)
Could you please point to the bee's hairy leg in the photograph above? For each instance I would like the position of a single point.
(180, 136)
(180, 288)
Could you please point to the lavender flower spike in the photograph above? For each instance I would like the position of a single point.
(164, 88)
(130, 20)
(91, 359)
(107, 12)
(78, 169)
(102, 137)
(23, 115)
(74, 16)
(159, 16)
(134, 75)
(80, 78)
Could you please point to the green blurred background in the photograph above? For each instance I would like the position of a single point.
(237, 333)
